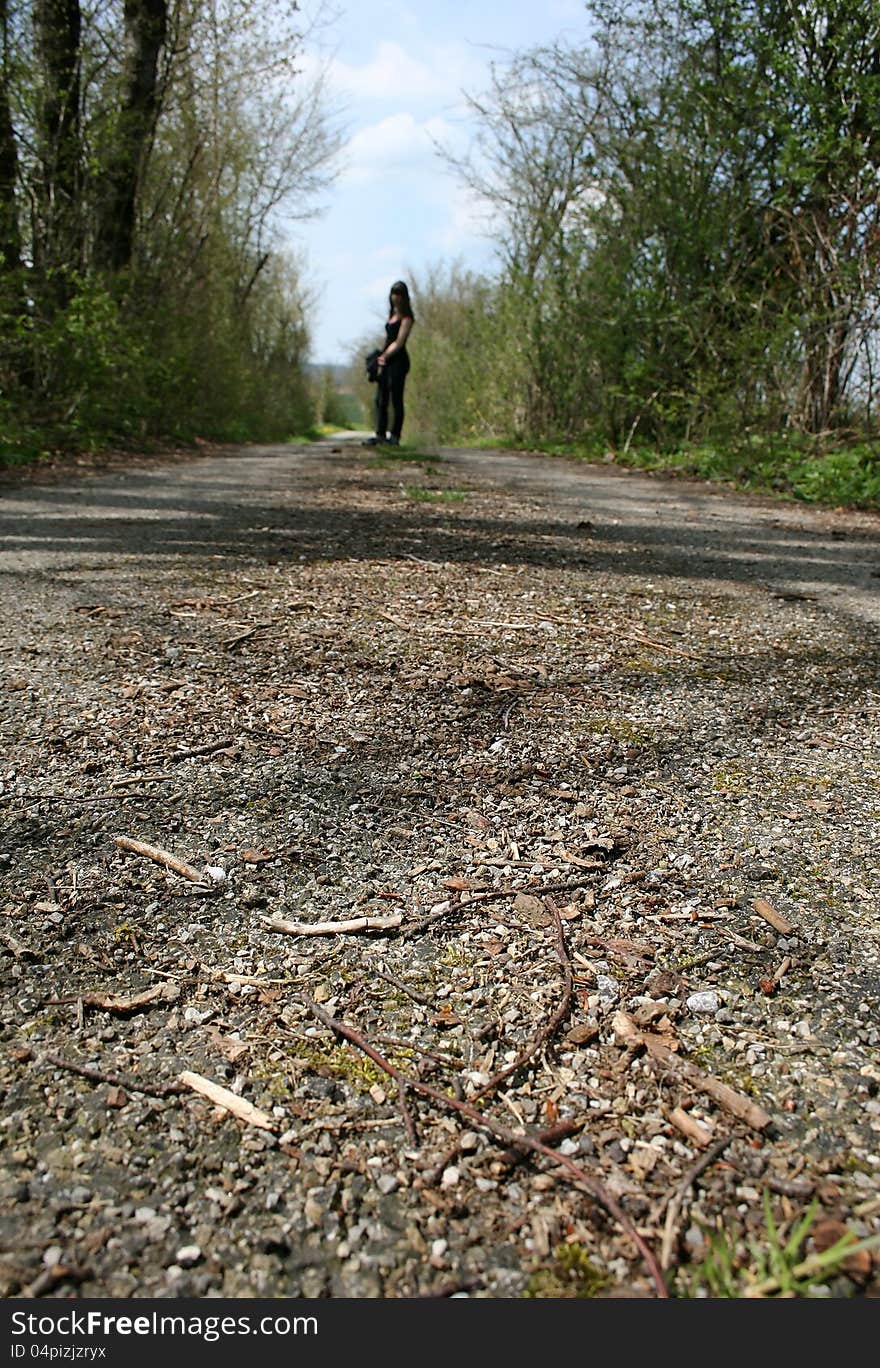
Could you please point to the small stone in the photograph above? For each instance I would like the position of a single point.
(703, 1003)
(607, 988)
(188, 1255)
(451, 1177)
(314, 1212)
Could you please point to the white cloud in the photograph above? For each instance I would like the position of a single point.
(567, 9)
(376, 290)
(399, 141)
(467, 220)
(397, 76)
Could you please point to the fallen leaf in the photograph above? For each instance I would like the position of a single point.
(827, 1233)
(257, 856)
(532, 910)
(230, 1049)
(446, 1017)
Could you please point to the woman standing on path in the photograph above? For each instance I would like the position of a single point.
(393, 367)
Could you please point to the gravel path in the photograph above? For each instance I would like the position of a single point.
(584, 762)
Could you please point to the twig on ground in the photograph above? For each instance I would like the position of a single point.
(53, 1277)
(222, 1097)
(290, 928)
(200, 750)
(160, 857)
(231, 642)
(115, 1002)
(134, 1085)
(403, 987)
(695, 1132)
(447, 1060)
(492, 895)
(741, 941)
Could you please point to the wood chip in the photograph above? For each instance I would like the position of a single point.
(769, 913)
(697, 1133)
(222, 1097)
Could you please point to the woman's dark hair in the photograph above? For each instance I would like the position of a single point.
(404, 308)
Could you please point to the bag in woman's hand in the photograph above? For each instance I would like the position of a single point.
(372, 364)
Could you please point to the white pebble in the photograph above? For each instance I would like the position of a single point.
(709, 1003)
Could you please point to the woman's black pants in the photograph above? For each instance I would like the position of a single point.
(389, 391)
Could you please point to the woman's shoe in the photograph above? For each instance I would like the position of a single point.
(392, 441)
(374, 441)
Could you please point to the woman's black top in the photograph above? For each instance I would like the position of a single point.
(398, 358)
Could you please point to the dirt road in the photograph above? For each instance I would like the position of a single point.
(502, 829)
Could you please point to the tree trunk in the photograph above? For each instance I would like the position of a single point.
(145, 29)
(58, 225)
(10, 239)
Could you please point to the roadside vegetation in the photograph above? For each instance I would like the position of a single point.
(687, 224)
(146, 150)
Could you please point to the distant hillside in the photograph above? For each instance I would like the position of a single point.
(341, 374)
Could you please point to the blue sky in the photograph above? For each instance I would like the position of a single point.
(395, 74)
